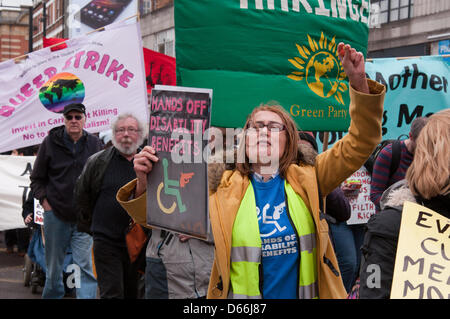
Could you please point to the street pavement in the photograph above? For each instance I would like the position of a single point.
(11, 275)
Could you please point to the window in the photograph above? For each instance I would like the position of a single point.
(50, 14)
(392, 10)
(58, 9)
(37, 24)
(165, 42)
(146, 6)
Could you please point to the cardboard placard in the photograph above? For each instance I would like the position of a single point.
(177, 191)
(422, 264)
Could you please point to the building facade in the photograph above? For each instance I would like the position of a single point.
(13, 32)
(158, 26)
(410, 28)
(48, 21)
(402, 28)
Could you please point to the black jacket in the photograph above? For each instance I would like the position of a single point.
(57, 168)
(88, 187)
(381, 239)
(28, 206)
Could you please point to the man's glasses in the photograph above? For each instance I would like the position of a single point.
(122, 130)
(70, 117)
(273, 127)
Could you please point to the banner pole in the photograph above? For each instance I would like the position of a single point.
(325, 141)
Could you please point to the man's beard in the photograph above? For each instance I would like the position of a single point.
(127, 149)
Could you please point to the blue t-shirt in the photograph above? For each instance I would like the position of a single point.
(279, 242)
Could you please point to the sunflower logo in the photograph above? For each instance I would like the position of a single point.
(320, 67)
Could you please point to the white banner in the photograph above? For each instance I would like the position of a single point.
(14, 187)
(104, 71)
(361, 206)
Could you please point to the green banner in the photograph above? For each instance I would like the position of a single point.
(255, 51)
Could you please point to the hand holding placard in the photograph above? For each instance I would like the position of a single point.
(143, 164)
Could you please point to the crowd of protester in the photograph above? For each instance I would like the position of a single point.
(278, 214)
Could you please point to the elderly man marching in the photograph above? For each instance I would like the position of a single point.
(95, 194)
(59, 162)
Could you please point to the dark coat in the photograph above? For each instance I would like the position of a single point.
(88, 187)
(28, 206)
(56, 169)
(381, 239)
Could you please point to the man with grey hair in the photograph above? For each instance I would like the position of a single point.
(101, 215)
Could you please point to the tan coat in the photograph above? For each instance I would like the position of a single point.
(330, 169)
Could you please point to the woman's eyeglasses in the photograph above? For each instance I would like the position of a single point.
(273, 127)
(70, 117)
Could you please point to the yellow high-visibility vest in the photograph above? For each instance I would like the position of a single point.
(246, 247)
